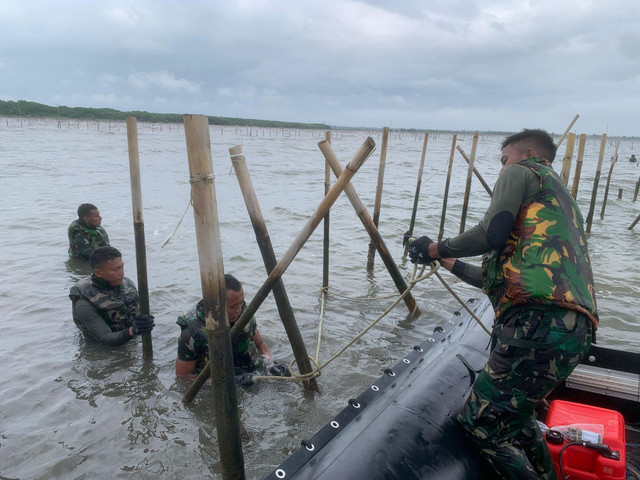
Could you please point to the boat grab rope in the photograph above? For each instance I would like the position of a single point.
(417, 276)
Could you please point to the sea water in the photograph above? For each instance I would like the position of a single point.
(72, 409)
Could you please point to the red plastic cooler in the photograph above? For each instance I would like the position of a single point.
(582, 463)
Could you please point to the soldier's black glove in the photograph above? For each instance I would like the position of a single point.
(279, 370)
(407, 236)
(142, 324)
(418, 251)
(244, 379)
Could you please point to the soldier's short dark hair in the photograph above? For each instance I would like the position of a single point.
(232, 283)
(538, 139)
(102, 255)
(85, 209)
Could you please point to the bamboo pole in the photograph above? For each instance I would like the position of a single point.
(596, 180)
(560, 140)
(205, 211)
(475, 171)
(634, 223)
(269, 259)
(138, 230)
(260, 296)
(635, 191)
(325, 239)
(579, 159)
(614, 159)
(467, 190)
(371, 229)
(416, 197)
(446, 188)
(568, 158)
(378, 201)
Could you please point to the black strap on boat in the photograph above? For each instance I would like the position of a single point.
(472, 372)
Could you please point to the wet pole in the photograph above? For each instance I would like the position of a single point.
(634, 223)
(467, 189)
(138, 229)
(416, 197)
(475, 171)
(220, 365)
(260, 296)
(562, 137)
(567, 159)
(446, 188)
(614, 159)
(325, 239)
(269, 259)
(596, 180)
(378, 202)
(371, 229)
(576, 176)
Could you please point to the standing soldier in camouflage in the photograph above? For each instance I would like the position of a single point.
(537, 274)
(105, 305)
(85, 233)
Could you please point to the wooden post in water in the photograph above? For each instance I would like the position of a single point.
(269, 259)
(467, 189)
(205, 212)
(446, 188)
(596, 180)
(634, 223)
(371, 229)
(635, 191)
(138, 230)
(378, 201)
(325, 239)
(260, 296)
(575, 119)
(416, 197)
(619, 193)
(576, 175)
(614, 159)
(475, 171)
(568, 157)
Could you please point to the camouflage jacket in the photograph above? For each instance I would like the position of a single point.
(116, 305)
(545, 260)
(84, 239)
(193, 344)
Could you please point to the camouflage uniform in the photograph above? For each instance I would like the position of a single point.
(115, 307)
(193, 344)
(84, 238)
(541, 286)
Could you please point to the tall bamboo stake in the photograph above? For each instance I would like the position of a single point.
(205, 212)
(634, 223)
(325, 239)
(138, 230)
(568, 157)
(416, 197)
(378, 201)
(260, 296)
(576, 175)
(596, 180)
(446, 188)
(614, 159)
(269, 259)
(635, 191)
(475, 171)
(371, 229)
(575, 119)
(467, 189)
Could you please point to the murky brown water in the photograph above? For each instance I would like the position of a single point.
(71, 409)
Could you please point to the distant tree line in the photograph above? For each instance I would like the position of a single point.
(23, 108)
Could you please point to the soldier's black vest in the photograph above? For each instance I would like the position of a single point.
(116, 305)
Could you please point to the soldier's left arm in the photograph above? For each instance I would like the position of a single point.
(262, 346)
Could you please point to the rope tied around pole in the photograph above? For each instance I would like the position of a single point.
(207, 178)
(417, 276)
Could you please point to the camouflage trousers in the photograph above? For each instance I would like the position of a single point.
(534, 351)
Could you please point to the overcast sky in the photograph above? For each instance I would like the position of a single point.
(426, 64)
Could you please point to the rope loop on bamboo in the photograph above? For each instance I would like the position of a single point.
(207, 178)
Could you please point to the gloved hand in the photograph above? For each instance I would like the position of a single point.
(244, 379)
(407, 236)
(418, 250)
(279, 370)
(142, 324)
